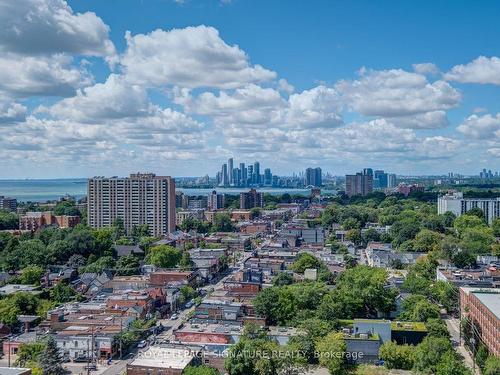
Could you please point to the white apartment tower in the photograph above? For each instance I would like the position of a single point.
(142, 198)
(456, 203)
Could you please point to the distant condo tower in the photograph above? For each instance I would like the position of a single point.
(142, 198)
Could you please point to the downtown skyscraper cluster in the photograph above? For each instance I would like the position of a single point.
(363, 183)
(231, 175)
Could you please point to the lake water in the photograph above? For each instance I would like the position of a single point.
(51, 189)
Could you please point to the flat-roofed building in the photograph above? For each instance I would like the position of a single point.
(161, 360)
(457, 204)
(9, 204)
(15, 371)
(482, 308)
(142, 198)
(172, 277)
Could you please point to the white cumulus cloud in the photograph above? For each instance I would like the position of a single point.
(394, 93)
(481, 70)
(190, 57)
(50, 26)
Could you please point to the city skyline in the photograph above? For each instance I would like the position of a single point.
(92, 91)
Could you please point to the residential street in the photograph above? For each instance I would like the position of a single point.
(453, 325)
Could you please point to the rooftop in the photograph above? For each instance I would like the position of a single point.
(15, 288)
(160, 357)
(408, 326)
(14, 370)
(490, 299)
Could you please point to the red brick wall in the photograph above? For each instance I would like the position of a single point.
(488, 324)
(203, 337)
(137, 370)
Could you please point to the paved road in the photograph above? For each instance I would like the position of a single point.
(453, 325)
(119, 366)
(184, 314)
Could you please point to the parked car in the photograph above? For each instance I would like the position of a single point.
(142, 344)
(81, 358)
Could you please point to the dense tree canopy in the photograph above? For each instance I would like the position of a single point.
(164, 256)
(397, 356)
(8, 220)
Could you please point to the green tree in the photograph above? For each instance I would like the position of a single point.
(429, 352)
(200, 370)
(331, 350)
(58, 251)
(265, 304)
(222, 223)
(437, 328)
(101, 264)
(361, 292)
(305, 261)
(8, 220)
(21, 303)
(495, 227)
(476, 211)
(354, 235)
(426, 240)
(32, 252)
(446, 294)
(434, 223)
(50, 359)
(76, 261)
(118, 228)
(81, 241)
(492, 366)
(139, 231)
(185, 262)
(418, 308)
(189, 224)
(350, 223)
(253, 355)
(312, 330)
(449, 247)
(164, 256)
(337, 247)
(397, 356)
(481, 355)
(405, 228)
(477, 240)
(371, 235)
(29, 353)
(31, 275)
(450, 364)
(67, 207)
(127, 265)
(255, 212)
(449, 218)
(464, 222)
(187, 294)
(421, 275)
(283, 278)
(103, 240)
(464, 258)
(62, 293)
(47, 235)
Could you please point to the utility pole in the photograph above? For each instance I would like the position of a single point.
(473, 342)
(121, 331)
(92, 347)
(88, 356)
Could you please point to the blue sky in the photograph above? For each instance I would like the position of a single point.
(410, 87)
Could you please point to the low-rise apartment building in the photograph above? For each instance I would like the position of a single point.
(481, 307)
(34, 221)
